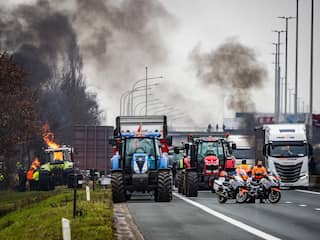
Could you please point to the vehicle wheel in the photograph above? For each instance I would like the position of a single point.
(274, 196)
(212, 186)
(118, 191)
(241, 197)
(192, 184)
(44, 181)
(164, 188)
(221, 199)
(183, 184)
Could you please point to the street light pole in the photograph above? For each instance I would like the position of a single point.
(278, 77)
(311, 72)
(296, 73)
(286, 65)
(146, 91)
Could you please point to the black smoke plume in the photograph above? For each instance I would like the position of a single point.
(235, 69)
(56, 40)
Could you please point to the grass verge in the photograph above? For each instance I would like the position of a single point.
(42, 220)
(11, 201)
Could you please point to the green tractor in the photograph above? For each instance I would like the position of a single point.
(57, 167)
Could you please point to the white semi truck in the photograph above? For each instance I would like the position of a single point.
(284, 149)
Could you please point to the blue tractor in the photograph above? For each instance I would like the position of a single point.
(139, 165)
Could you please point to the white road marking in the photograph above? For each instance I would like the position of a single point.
(302, 205)
(287, 202)
(230, 220)
(306, 191)
(317, 209)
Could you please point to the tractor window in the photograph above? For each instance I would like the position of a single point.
(140, 145)
(210, 148)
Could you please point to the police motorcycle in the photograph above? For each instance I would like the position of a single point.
(264, 188)
(231, 187)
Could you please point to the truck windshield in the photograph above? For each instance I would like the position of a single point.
(214, 148)
(288, 149)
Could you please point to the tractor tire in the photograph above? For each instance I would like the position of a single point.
(118, 190)
(192, 184)
(179, 182)
(183, 183)
(164, 188)
(45, 182)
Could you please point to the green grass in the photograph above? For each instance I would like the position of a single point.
(42, 220)
(12, 201)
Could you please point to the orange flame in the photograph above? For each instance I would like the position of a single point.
(48, 137)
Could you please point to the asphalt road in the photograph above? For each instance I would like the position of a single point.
(296, 216)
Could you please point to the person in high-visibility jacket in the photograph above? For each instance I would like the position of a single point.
(186, 161)
(35, 177)
(245, 167)
(259, 171)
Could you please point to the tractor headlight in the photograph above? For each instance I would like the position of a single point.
(145, 167)
(135, 167)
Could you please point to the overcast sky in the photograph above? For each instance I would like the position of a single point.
(251, 21)
(208, 23)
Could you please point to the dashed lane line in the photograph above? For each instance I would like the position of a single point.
(230, 220)
(302, 205)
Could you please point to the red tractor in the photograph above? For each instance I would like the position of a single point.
(203, 161)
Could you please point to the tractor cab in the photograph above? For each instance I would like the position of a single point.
(58, 155)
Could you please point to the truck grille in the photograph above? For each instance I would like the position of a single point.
(288, 173)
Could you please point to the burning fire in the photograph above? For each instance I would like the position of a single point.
(48, 137)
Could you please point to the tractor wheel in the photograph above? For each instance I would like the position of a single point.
(179, 182)
(164, 189)
(183, 183)
(118, 191)
(44, 182)
(192, 184)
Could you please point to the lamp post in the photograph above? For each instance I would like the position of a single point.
(123, 95)
(277, 105)
(311, 72)
(153, 104)
(143, 102)
(296, 70)
(142, 80)
(286, 64)
(150, 86)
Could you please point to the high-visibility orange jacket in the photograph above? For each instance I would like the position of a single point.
(244, 167)
(30, 174)
(259, 172)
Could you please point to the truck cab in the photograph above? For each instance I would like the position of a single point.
(285, 151)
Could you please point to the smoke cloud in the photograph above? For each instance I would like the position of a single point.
(114, 40)
(235, 69)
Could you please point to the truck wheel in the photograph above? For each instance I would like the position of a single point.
(118, 191)
(164, 188)
(192, 184)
